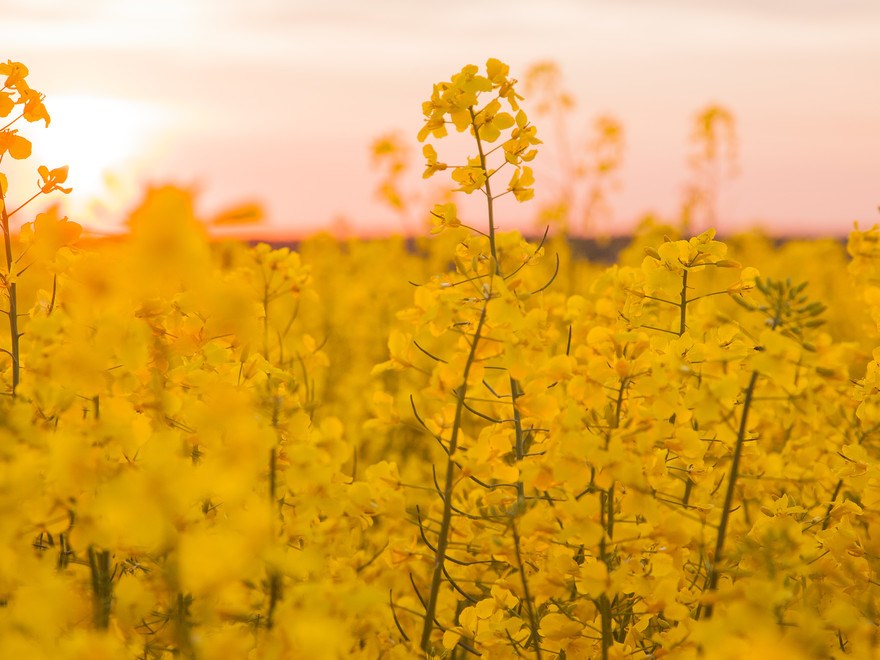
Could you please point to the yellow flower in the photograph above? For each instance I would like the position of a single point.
(497, 71)
(559, 630)
(52, 179)
(466, 85)
(516, 149)
(443, 216)
(17, 146)
(490, 121)
(6, 104)
(48, 233)
(34, 110)
(15, 73)
(521, 184)
(432, 165)
(435, 126)
(470, 177)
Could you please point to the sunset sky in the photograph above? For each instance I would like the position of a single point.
(279, 101)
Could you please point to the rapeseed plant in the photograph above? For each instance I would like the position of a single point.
(211, 450)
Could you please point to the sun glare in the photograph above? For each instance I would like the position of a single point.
(107, 142)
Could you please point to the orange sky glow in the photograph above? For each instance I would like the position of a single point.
(279, 101)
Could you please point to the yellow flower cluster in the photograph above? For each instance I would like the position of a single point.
(211, 450)
(458, 102)
(659, 461)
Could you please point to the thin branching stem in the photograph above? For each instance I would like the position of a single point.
(714, 573)
(527, 596)
(102, 587)
(451, 469)
(488, 190)
(12, 290)
(682, 323)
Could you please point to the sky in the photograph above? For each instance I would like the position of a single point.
(278, 101)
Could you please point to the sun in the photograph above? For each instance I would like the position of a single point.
(106, 142)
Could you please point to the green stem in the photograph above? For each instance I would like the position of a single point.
(102, 587)
(12, 288)
(446, 522)
(604, 605)
(488, 191)
(21, 206)
(607, 518)
(607, 638)
(274, 597)
(714, 573)
(527, 596)
(830, 508)
(183, 627)
(273, 464)
(683, 304)
(275, 583)
(519, 453)
(266, 321)
(520, 444)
